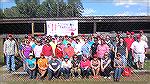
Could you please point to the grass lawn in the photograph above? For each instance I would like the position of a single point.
(134, 79)
(147, 65)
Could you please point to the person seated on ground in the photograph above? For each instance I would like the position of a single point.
(95, 66)
(76, 71)
(118, 65)
(66, 67)
(53, 68)
(42, 65)
(85, 67)
(106, 66)
(31, 66)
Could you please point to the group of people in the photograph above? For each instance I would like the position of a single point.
(77, 56)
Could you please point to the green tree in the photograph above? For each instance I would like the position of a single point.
(1, 13)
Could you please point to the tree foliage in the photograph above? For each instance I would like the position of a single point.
(48, 8)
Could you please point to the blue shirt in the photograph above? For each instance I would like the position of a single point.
(90, 42)
(85, 49)
(31, 62)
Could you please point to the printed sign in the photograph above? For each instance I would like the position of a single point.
(62, 28)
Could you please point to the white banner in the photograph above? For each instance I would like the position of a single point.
(62, 28)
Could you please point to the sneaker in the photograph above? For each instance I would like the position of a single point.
(105, 77)
(109, 77)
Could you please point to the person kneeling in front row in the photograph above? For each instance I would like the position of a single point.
(66, 67)
(54, 68)
(85, 67)
(31, 66)
(42, 66)
(75, 71)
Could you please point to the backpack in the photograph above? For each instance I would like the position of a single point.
(127, 72)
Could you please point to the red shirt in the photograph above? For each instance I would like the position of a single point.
(47, 50)
(69, 51)
(84, 64)
(128, 42)
(58, 52)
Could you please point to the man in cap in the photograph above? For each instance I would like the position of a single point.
(10, 50)
(54, 68)
(129, 40)
(139, 49)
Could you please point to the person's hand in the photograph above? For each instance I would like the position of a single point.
(32, 69)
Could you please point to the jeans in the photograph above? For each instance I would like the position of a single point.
(117, 73)
(130, 59)
(85, 72)
(66, 72)
(52, 74)
(32, 73)
(10, 62)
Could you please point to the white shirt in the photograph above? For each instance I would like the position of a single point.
(38, 50)
(10, 47)
(66, 65)
(139, 47)
(78, 48)
(144, 38)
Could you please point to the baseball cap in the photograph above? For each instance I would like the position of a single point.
(132, 33)
(128, 33)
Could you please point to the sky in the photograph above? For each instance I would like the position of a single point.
(105, 7)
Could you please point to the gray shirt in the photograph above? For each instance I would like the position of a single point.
(10, 47)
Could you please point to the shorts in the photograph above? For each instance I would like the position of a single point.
(139, 57)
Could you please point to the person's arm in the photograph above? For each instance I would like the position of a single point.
(28, 66)
(102, 68)
(50, 66)
(22, 52)
(107, 63)
(62, 65)
(69, 64)
(126, 53)
(115, 64)
(146, 48)
(92, 64)
(4, 48)
(58, 68)
(16, 49)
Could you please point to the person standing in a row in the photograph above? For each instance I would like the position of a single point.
(10, 50)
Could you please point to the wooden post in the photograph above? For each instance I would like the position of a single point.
(44, 29)
(32, 28)
(94, 30)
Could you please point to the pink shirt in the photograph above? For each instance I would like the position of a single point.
(84, 64)
(101, 49)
